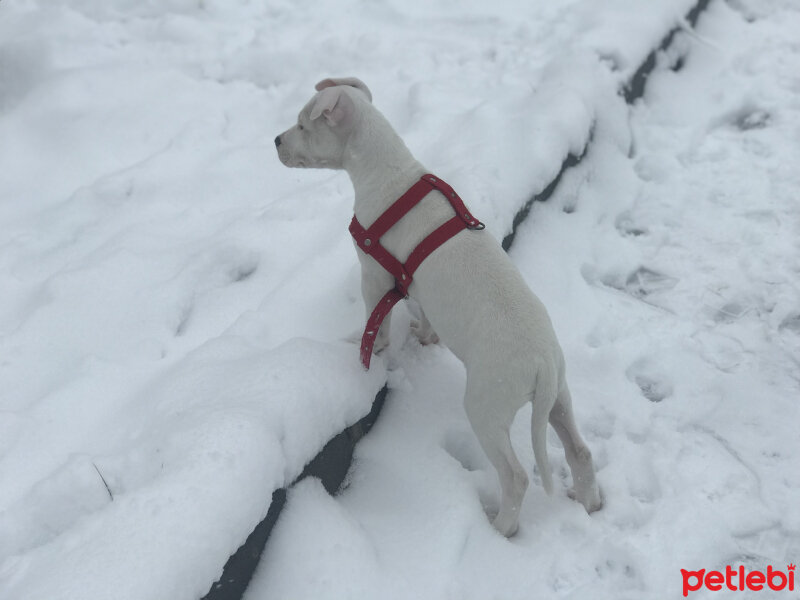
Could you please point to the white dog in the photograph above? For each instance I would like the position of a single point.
(469, 289)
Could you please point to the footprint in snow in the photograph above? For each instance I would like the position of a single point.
(640, 283)
(730, 312)
(643, 282)
(745, 118)
(791, 323)
(628, 227)
(651, 381)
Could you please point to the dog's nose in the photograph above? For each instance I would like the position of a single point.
(277, 141)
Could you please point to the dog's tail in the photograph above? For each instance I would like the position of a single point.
(543, 400)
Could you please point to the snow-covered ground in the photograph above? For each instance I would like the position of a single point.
(173, 300)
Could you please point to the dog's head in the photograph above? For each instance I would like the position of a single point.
(323, 126)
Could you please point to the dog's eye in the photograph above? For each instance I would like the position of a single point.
(300, 127)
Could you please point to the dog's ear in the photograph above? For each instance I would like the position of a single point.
(351, 81)
(334, 104)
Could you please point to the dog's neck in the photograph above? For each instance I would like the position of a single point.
(380, 167)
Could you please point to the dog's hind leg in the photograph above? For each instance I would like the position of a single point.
(421, 327)
(491, 421)
(579, 457)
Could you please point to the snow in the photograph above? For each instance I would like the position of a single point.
(174, 303)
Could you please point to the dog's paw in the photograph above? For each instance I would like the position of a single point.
(506, 526)
(591, 498)
(381, 340)
(425, 335)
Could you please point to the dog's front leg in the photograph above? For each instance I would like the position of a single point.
(375, 282)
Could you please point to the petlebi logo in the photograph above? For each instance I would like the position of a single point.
(739, 579)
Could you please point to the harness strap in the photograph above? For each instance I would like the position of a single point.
(399, 208)
(368, 239)
(371, 245)
(455, 201)
(379, 313)
(439, 236)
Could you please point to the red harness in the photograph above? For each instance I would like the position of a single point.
(369, 241)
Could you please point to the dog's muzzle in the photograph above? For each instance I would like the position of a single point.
(277, 141)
